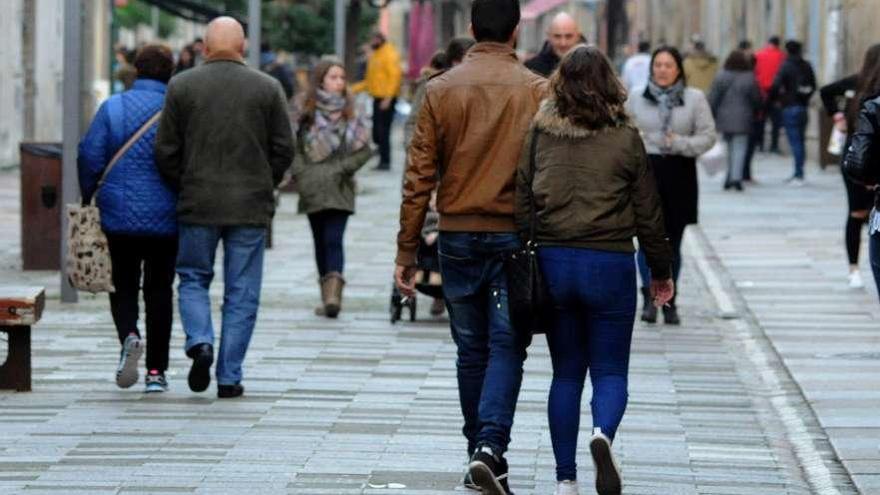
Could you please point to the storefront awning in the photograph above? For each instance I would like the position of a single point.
(537, 8)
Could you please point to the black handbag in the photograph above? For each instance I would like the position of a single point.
(528, 297)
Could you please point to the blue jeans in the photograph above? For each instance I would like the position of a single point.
(328, 230)
(243, 249)
(594, 297)
(874, 254)
(490, 359)
(794, 119)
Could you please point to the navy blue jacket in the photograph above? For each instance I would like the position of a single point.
(134, 199)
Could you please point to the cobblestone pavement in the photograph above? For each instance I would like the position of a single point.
(361, 406)
(783, 249)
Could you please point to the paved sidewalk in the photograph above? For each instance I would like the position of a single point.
(784, 249)
(360, 406)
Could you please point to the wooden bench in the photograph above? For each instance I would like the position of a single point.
(20, 307)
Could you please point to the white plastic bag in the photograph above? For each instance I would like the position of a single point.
(714, 160)
(836, 142)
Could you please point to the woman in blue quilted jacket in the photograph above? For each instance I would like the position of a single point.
(138, 214)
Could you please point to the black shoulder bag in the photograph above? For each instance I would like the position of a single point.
(528, 297)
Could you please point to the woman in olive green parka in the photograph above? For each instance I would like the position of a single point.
(333, 144)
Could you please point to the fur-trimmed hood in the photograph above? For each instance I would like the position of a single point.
(550, 121)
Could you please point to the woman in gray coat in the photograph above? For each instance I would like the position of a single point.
(676, 126)
(734, 98)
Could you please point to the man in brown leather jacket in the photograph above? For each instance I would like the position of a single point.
(469, 133)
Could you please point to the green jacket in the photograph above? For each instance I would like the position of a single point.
(593, 188)
(328, 184)
(224, 142)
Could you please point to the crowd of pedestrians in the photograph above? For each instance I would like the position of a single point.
(225, 127)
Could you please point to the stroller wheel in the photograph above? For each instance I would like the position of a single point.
(412, 309)
(396, 307)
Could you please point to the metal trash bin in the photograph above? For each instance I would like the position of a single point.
(41, 206)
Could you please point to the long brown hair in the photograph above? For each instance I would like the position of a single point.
(586, 89)
(868, 85)
(310, 105)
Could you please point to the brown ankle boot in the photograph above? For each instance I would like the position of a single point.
(331, 290)
(321, 310)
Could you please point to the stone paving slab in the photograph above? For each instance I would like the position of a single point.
(783, 249)
(360, 406)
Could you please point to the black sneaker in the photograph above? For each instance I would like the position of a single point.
(670, 315)
(489, 471)
(230, 391)
(200, 373)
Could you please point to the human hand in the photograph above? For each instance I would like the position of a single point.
(840, 121)
(662, 291)
(431, 238)
(385, 104)
(405, 279)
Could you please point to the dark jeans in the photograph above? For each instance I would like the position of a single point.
(594, 296)
(490, 360)
(774, 115)
(874, 253)
(328, 230)
(243, 250)
(794, 119)
(154, 257)
(382, 120)
(676, 237)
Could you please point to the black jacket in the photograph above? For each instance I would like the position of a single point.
(794, 84)
(545, 62)
(860, 162)
(224, 142)
(837, 95)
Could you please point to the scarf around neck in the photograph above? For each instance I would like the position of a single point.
(667, 99)
(330, 131)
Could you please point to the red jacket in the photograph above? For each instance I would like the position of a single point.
(768, 60)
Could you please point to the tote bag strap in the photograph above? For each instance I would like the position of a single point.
(125, 147)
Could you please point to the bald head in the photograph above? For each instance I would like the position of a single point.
(224, 37)
(563, 34)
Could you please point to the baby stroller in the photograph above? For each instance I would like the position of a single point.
(428, 279)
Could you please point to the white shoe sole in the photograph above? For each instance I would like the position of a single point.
(608, 480)
(128, 375)
(485, 479)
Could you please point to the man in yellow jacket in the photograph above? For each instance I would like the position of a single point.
(382, 82)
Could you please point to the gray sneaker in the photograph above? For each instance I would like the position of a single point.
(156, 382)
(127, 371)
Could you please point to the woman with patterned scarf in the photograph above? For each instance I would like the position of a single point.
(333, 144)
(677, 126)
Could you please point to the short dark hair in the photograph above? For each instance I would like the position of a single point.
(587, 90)
(439, 61)
(265, 46)
(774, 40)
(644, 46)
(154, 62)
(794, 48)
(458, 48)
(737, 61)
(494, 20)
(676, 55)
(745, 45)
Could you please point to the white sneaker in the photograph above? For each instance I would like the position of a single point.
(567, 487)
(608, 481)
(797, 182)
(855, 280)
